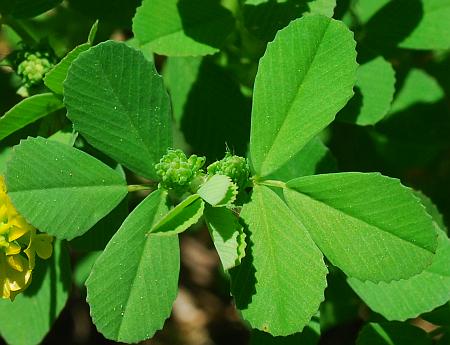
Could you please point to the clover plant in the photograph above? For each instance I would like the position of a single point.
(184, 150)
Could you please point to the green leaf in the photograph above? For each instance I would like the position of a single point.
(116, 99)
(134, 282)
(181, 217)
(405, 299)
(28, 111)
(93, 33)
(59, 189)
(183, 27)
(263, 18)
(309, 336)
(432, 210)
(5, 154)
(227, 234)
(25, 8)
(324, 7)
(418, 87)
(432, 31)
(393, 333)
(368, 225)
(99, 235)
(365, 9)
(374, 92)
(279, 285)
(313, 158)
(83, 268)
(30, 317)
(295, 100)
(180, 74)
(422, 25)
(54, 79)
(218, 190)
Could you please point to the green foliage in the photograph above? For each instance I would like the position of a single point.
(284, 121)
(130, 312)
(25, 9)
(28, 111)
(218, 190)
(405, 299)
(374, 92)
(275, 238)
(302, 246)
(117, 107)
(361, 222)
(392, 334)
(181, 217)
(59, 189)
(182, 28)
(227, 234)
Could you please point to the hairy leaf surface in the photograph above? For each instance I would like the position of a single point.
(117, 100)
(294, 100)
(59, 189)
(279, 285)
(134, 282)
(368, 225)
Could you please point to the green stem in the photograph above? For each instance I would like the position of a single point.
(138, 187)
(272, 183)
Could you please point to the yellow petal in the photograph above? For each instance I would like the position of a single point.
(4, 228)
(17, 262)
(13, 249)
(16, 232)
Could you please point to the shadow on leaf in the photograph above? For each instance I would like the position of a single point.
(206, 21)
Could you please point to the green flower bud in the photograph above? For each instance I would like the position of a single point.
(33, 68)
(234, 167)
(177, 171)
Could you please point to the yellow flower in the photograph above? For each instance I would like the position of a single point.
(19, 244)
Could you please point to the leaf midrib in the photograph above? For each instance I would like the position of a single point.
(299, 89)
(125, 109)
(64, 188)
(362, 221)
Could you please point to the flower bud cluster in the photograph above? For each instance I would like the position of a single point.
(235, 167)
(33, 68)
(177, 171)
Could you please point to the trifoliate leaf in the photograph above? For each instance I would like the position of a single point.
(227, 234)
(181, 217)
